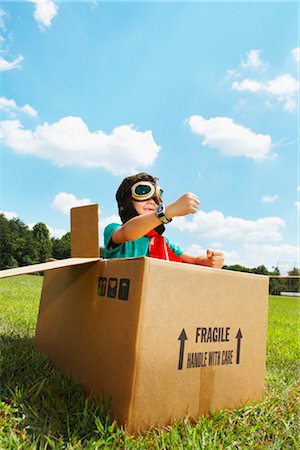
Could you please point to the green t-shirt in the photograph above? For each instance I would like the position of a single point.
(131, 249)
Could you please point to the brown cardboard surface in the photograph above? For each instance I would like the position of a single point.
(125, 342)
(92, 340)
(45, 266)
(84, 232)
(183, 297)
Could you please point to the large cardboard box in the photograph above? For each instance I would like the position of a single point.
(163, 339)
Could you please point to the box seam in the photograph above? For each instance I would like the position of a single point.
(136, 356)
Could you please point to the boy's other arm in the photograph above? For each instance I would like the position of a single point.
(140, 225)
(213, 258)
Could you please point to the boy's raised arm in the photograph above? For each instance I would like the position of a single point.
(140, 225)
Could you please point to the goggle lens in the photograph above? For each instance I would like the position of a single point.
(146, 190)
(142, 190)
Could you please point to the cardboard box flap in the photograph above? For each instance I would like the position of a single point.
(84, 232)
(43, 267)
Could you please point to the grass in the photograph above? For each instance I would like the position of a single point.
(41, 409)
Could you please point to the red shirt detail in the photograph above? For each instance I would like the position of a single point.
(158, 248)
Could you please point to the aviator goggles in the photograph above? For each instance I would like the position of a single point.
(145, 190)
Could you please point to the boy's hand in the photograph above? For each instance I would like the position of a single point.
(215, 258)
(186, 204)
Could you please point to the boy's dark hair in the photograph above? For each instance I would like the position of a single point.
(123, 197)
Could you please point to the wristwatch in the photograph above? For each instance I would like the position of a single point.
(161, 213)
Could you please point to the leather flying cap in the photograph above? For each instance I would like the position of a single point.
(123, 197)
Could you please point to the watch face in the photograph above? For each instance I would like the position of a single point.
(160, 208)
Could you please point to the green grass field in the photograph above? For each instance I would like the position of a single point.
(40, 409)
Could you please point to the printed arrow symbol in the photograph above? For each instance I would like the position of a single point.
(239, 336)
(182, 338)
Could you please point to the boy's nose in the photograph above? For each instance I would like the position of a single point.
(152, 201)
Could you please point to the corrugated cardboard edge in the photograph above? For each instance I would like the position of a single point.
(136, 365)
(43, 267)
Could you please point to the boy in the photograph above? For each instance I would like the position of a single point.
(143, 216)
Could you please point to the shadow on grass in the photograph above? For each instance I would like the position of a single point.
(43, 401)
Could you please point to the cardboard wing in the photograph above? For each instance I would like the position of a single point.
(84, 244)
(43, 267)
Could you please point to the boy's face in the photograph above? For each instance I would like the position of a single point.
(144, 207)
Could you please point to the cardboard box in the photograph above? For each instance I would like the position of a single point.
(162, 339)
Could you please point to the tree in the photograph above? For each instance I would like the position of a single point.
(294, 283)
(261, 270)
(6, 245)
(42, 241)
(237, 268)
(61, 248)
(17, 245)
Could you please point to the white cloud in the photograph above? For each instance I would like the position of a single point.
(297, 204)
(6, 41)
(216, 245)
(230, 257)
(232, 73)
(6, 65)
(229, 138)
(247, 85)
(215, 225)
(254, 254)
(63, 202)
(107, 220)
(104, 222)
(298, 188)
(9, 214)
(296, 54)
(31, 225)
(283, 88)
(195, 249)
(2, 21)
(253, 60)
(69, 142)
(283, 85)
(269, 255)
(56, 232)
(10, 106)
(269, 198)
(45, 11)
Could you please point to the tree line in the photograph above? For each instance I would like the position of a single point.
(21, 246)
(276, 285)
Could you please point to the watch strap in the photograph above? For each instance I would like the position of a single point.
(161, 214)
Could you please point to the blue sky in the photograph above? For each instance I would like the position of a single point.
(202, 95)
